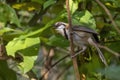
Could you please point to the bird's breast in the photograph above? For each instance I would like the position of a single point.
(80, 38)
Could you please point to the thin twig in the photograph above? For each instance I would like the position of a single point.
(114, 17)
(109, 15)
(75, 65)
(54, 65)
(60, 60)
(115, 41)
(109, 50)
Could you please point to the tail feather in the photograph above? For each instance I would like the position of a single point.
(99, 51)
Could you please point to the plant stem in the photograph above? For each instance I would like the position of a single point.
(75, 65)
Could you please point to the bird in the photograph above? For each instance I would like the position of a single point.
(82, 37)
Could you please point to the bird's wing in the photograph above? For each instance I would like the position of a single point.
(84, 29)
(88, 30)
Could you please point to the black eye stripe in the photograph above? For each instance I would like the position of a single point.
(59, 24)
(65, 34)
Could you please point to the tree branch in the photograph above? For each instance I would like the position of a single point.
(109, 50)
(109, 15)
(75, 65)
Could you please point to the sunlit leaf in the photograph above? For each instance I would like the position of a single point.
(27, 64)
(28, 49)
(29, 6)
(3, 30)
(20, 44)
(73, 5)
(85, 18)
(112, 3)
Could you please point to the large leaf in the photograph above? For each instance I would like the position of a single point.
(84, 18)
(27, 64)
(73, 6)
(28, 49)
(8, 14)
(58, 41)
(20, 44)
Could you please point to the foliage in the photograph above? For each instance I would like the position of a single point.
(26, 27)
(5, 72)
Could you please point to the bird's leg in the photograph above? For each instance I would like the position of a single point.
(79, 52)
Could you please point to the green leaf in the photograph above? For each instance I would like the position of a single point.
(3, 30)
(38, 1)
(8, 14)
(48, 3)
(93, 65)
(58, 41)
(5, 72)
(20, 44)
(73, 6)
(10, 34)
(48, 25)
(28, 48)
(84, 18)
(27, 64)
(29, 6)
(112, 3)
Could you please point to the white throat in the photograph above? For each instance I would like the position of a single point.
(61, 30)
(61, 27)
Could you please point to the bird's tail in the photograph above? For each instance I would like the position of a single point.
(99, 51)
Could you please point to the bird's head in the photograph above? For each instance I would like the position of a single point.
(61, 28)
(60, 25)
